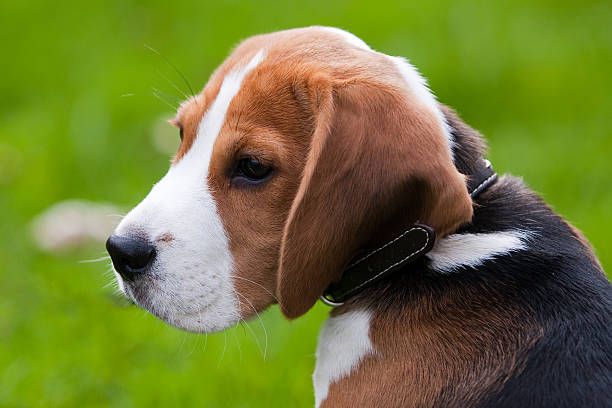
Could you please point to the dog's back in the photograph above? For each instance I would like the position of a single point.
(559, 285)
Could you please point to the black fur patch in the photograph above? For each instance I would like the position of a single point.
(556, 282)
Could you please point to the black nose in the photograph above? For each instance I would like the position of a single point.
(131, 255)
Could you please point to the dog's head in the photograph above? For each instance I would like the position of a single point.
(302, 144)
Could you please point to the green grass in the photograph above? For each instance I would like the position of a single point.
(535, 77)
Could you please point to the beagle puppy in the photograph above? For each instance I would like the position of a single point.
(312, 165)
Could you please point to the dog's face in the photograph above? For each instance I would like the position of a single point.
(301, 145)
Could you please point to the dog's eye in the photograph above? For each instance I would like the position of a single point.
(253, 169)
(181, 133)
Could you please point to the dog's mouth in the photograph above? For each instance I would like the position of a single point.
(198, 312)
(140, 293)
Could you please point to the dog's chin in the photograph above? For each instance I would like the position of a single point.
(200, 316)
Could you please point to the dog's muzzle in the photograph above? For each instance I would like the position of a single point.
(132, 256)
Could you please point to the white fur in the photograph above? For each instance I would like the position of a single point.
(349, 37)
(190, 284)
(418, 86)
(460, 250)
(416, 83)
(344, 341)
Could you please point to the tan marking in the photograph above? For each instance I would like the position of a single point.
(446, 349)
(167, 238)
(337, 122)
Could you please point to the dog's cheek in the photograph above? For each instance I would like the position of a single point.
(253, 221)
(254, 237)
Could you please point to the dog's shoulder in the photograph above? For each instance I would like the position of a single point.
(562, 286)
(519, 294)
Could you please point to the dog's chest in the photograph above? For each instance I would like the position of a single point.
(344, 342)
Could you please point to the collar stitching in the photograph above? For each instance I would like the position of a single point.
(391, 266)
(378, 249)
(483, 184)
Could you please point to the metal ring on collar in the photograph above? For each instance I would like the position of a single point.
(329, 302)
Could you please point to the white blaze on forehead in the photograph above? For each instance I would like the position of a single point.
(192, 288)
(344, 341)
(213, 119)
(461, 250)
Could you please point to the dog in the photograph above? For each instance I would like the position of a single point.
(311, 166)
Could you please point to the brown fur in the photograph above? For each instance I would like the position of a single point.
(439, 348)
(369, 150)
(347, 141)
(353, 150)
(440, 351)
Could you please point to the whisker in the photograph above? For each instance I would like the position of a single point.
(109, 273)
(184, 337)
(260, 321)
(238, 344)
(104, 258)
(195, 346)
(247, 325)
(109, 284)
(168, 97)
(165, 101)
(172, 84)
(224, 347)
(258, 284)
(205, 341)
(173, 67)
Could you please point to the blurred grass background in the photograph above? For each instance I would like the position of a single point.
(77, 114)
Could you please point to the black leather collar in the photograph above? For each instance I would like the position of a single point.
(483, 178)
(367, 269)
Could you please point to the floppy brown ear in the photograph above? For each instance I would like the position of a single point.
(375, 153)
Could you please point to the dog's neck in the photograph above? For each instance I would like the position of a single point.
(444, 320)
(400, 241)
(468, 145)
(352, 338)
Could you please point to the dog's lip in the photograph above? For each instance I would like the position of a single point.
(191, 321)
(142, 297)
